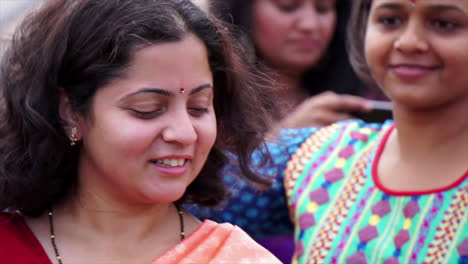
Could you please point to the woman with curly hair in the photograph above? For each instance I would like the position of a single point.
(114, 114)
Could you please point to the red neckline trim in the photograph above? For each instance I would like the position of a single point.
(378, 183)
(37, 246)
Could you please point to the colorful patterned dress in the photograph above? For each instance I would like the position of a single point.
(343, 214)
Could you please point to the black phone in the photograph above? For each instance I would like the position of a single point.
(381, 111)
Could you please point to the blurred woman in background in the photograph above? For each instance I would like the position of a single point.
(303, 42)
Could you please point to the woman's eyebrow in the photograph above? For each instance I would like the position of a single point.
(393, 6)
(148, 90)
(165, 92)
(200, 88)
(436, 8)
(440, 8)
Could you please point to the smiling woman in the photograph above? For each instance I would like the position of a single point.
(114, 124)
(163, 137)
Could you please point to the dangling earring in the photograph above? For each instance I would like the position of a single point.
(74, 136)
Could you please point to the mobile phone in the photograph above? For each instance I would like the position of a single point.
(381, 111)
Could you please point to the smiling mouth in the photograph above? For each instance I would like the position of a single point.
(169, 162)
(414, 67)
(306, 43)
(413, 71)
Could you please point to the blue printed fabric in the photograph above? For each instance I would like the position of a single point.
(259, 213)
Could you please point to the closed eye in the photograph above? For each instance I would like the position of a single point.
(288, 6)
(146, 114)
(197, 112)
(325, 7)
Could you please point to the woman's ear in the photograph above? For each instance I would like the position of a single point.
(70, 118)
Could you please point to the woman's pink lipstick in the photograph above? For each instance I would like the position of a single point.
(412, 71)
(172, 166)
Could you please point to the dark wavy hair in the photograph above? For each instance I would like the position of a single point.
(333, 72)
(356, 37)
(82, 45)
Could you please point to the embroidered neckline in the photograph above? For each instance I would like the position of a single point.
(378, 183)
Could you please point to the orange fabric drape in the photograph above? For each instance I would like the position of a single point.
(217, 243)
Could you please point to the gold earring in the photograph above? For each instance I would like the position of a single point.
(74, 136)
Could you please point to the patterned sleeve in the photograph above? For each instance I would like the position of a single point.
(259, 213)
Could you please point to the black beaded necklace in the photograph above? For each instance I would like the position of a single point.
(54, 244)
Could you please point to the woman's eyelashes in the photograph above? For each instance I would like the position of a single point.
(444, 25)
(198, 111)
(288, 6)
(389, 20)
(324, 6)
(200, 104)
(321, 7)
(146, 114)
(195, 111)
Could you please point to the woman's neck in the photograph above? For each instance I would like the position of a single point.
(427, 151)
(437, 132)
(290, 91)
(95, 233)
(106, 217)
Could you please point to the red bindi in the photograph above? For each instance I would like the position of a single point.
(182, 90)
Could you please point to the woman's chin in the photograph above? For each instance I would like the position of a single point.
(164, 196)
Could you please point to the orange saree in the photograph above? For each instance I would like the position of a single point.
(217, 243)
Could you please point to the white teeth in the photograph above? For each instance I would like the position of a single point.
(171, 162)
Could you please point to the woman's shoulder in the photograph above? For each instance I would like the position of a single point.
(346, 136)
(234, 239)
(350, 130)
(11, 223)
(17, 242)
(354, 125)
(333, 144)
(212, 242)
(355, 128)
(300, 142)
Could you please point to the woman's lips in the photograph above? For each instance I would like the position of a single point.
(172, 171)
(413, 71)
(305, 44)
(172, 165)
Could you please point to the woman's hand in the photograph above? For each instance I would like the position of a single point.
(324, 109)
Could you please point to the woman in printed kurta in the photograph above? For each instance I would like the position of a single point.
(342, 212)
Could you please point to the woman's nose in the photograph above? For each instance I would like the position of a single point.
(308, 19)
(412, 39)
(180, 129)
